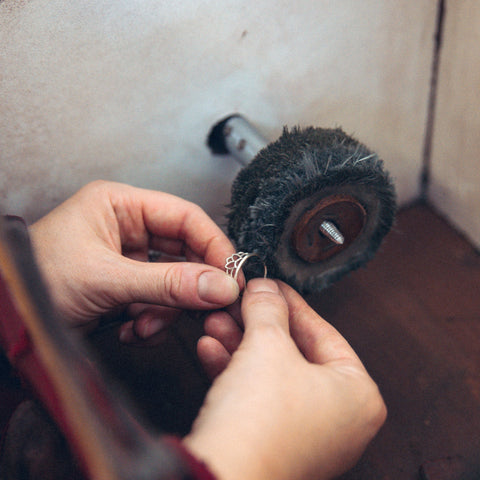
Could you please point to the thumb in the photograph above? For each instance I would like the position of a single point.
(264, 305)
(178, 284)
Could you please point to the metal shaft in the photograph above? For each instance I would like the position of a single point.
(242, 139)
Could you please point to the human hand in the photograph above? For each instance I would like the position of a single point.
(93, 252)
(291, 400)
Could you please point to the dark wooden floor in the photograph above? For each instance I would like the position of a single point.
(413, 316)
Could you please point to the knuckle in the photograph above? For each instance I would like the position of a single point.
(270, 332)
(269, 301)
(378, 408)
(368, 405)
(373, 406)
(171, 283)
(96, 189)
(196, 209)
(96, 185)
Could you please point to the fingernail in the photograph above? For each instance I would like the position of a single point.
(126, 335)
(152, 327)
(258, 285)
(218, 288)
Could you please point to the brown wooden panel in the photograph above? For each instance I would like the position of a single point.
(413, 317)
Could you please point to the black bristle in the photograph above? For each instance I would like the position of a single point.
(301, 164)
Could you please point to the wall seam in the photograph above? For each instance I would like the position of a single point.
(425, 175)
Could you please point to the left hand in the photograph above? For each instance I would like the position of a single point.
(93, 252)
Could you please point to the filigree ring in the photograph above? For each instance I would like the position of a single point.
(235, 262)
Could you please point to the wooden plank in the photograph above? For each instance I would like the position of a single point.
(413, 317)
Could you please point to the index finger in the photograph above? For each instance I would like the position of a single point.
(319, 341)
(168, 216)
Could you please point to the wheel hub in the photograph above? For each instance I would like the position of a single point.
(345, 212)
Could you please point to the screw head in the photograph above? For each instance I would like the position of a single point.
(345, 213)
(330, 230)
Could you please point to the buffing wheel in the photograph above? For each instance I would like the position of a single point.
(295, 184)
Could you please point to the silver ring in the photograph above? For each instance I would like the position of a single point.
(235, 262)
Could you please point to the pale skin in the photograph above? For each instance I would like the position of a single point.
(93, 250)
(290, 399)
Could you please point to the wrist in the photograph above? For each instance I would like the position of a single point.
(197, 468)
(227, 459)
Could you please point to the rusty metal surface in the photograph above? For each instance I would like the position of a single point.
(345, 212)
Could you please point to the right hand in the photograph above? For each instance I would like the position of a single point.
(291, 399)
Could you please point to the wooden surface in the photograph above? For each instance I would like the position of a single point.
(412, 316)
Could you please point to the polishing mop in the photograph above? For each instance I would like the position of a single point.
(313, 205)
